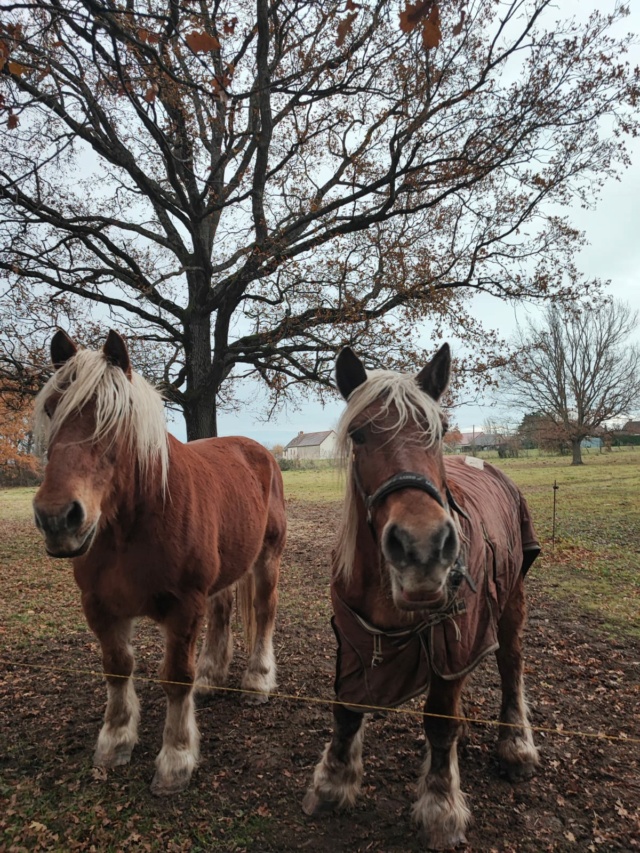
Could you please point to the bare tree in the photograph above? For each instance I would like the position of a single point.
(248, 186)
(578, 370)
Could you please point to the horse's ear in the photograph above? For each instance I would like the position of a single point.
(115, 351)
(62, 348)
(434, 376)
(350, 372)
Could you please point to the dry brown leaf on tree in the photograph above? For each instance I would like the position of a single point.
(202, 42)
(344, 28)
(431, 33)
(414, 13)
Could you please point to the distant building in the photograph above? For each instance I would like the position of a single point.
(480, 441)
(312, 445)
(631, 428)
(468, 441)
(591, 441)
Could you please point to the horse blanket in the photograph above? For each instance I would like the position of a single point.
(498, 541)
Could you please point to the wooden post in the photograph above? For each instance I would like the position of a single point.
(553, 529)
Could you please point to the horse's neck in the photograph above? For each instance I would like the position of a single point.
(132, 496)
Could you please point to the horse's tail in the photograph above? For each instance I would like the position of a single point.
(245, 592)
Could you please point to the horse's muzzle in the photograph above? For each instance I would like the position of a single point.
(64, 530)
(406, 549)
(420, 562)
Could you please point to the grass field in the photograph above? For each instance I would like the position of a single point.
(596, 559)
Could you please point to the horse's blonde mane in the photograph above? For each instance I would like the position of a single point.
(131, 410)
(402, 392)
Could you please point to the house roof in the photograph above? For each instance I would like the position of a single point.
(489, 439)
(470, 437)
(309, 439)
(632, 426)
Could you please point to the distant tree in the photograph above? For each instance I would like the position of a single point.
(277, 450)
(507, 440)
(578, 369)
(528, 430)
(245, 187)
(17, 464)
(452, 437)
(539, 431)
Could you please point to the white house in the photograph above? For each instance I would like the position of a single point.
(312, 445)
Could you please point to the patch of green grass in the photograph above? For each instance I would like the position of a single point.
(71, 806)
(314, 484)
(39, 595)
(16, 503)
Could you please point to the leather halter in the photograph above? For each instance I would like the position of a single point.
(411, 480)
(405, 480)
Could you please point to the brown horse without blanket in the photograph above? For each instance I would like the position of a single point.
(427, 579)
(161, 529)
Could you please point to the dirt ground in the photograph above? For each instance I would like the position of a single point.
(257, 761)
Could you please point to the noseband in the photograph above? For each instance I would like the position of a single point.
(405, 480)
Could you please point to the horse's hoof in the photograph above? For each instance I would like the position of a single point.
(114, 758)
(313, 805)
(161, 787)
(204, 691)
(450, 843)
(256, 698)
(519, 772)
(518, 759)
(210, 684)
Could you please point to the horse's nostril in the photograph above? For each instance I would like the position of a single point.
(396, 544)
(75, 516)
(448, 543)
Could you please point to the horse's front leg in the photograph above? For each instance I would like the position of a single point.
(517, 752)
(119, 733)
(441, 808)
(338, 775)
(180, 751)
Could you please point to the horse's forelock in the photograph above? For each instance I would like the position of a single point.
(124, 409)
(397, 390)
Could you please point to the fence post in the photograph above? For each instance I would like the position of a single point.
(553, 529)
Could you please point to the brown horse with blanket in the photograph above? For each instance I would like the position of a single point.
(428, 578)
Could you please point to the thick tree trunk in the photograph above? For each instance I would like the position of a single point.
(201, 417)
(200, 403)
(577, 452)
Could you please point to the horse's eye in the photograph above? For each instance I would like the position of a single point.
(357, 436)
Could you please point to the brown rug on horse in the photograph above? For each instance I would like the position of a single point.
(387, 668)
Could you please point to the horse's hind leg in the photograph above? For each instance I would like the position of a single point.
(259, 678)
(441, 808)
(119, 733)
(217, 648)
(516, 751)
(338, 775)
(180, 751)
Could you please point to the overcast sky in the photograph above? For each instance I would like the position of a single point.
(613, 254)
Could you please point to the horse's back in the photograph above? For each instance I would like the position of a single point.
(497, 508)
(238, 464)
(242, 478)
